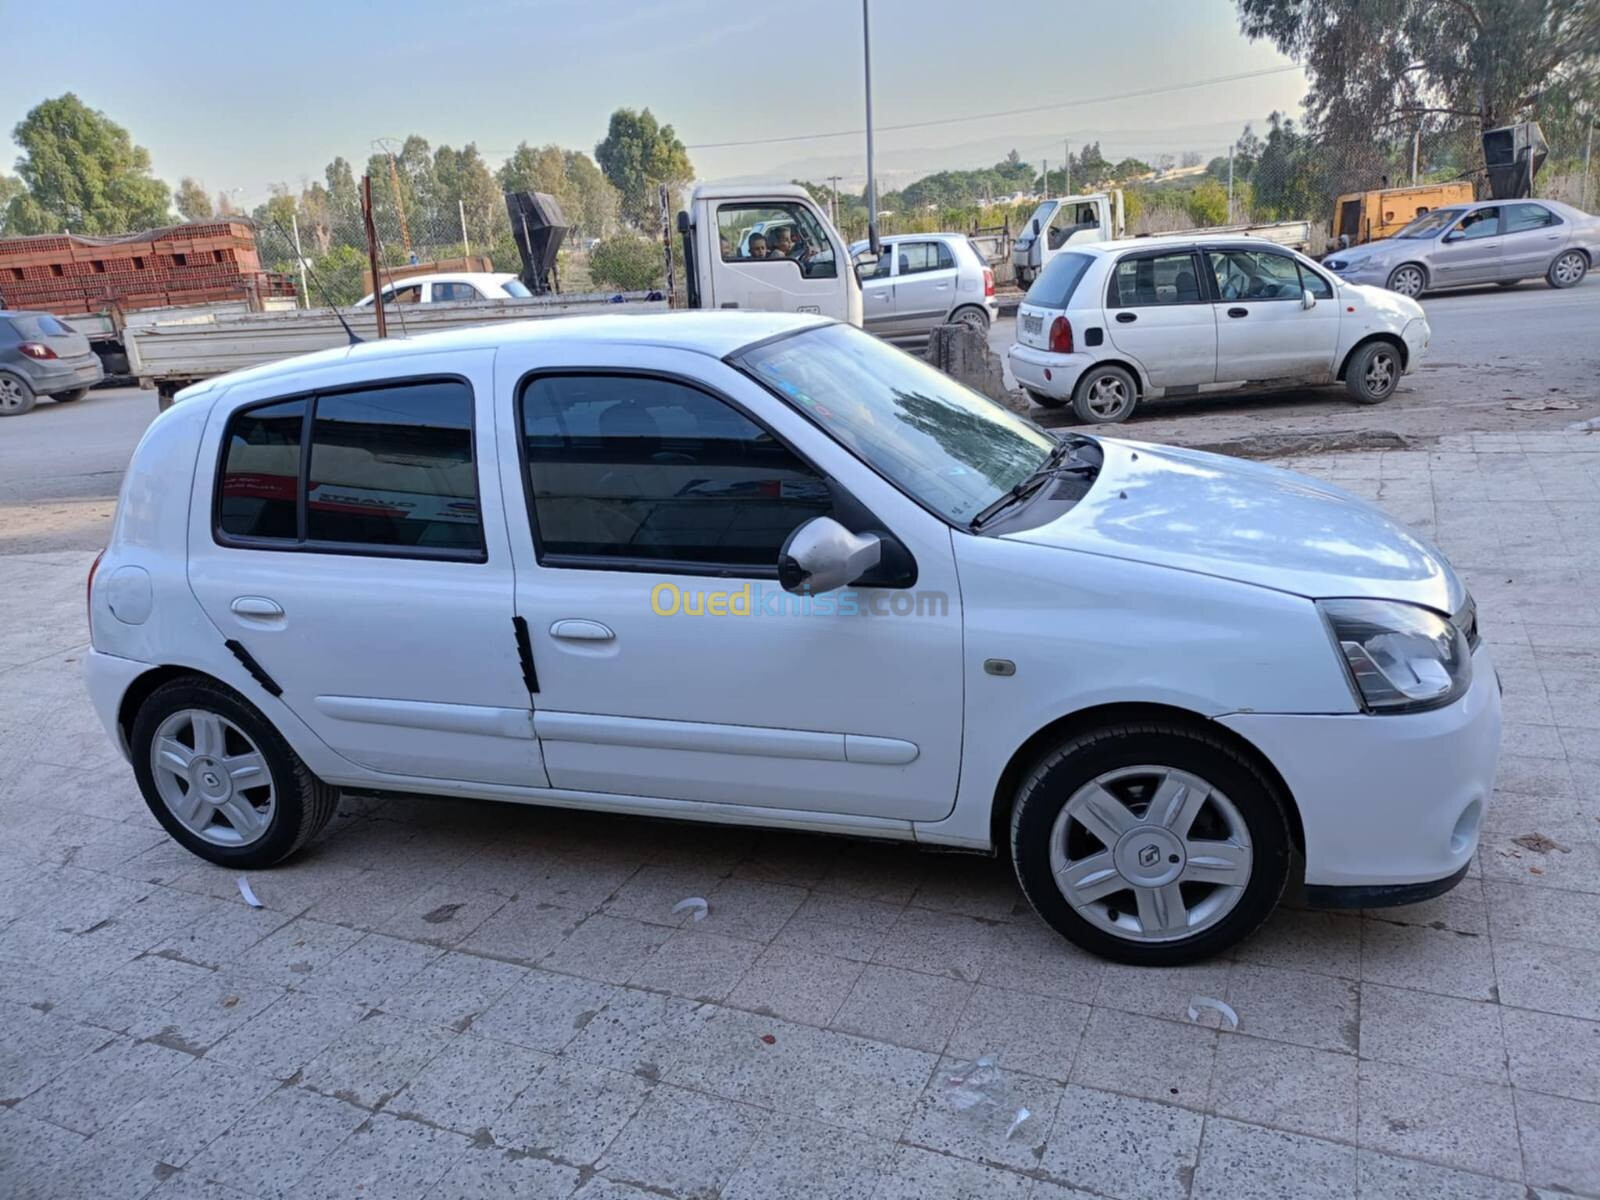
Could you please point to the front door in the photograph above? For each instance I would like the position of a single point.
(355, 554)
(877, 295)
(775, 256)
(924, 286)
(1157, 314)
(1264, 330)
(1469, 251)
(1533, 235)
(669, 662)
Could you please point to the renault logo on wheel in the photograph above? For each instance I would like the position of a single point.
(1149, 856)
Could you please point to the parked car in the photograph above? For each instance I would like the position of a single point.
(41, 356)
(765, 569)
(451, 288)
(922, 280)
(1106, 326)
(1498, 241)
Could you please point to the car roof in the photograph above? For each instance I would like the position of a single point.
(452, 277)
(1157, 241)
(715, 334)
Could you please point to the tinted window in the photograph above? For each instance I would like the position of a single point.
(515, 287)
(261, 472)
(1155, 279)
(1058, 280)
(1520, 217)
(621, 467)
(445, 292)
(392, 466)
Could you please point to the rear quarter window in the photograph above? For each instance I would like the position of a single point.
(1058, 280)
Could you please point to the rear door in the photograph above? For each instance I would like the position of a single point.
(924, 285)
(1532, 236)
(66, 343)
(1469, 252)
(1264, 330)
(1158, 315)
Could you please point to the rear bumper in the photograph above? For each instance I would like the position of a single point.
(1053, 375)
(48, 378)
(1388, 801)
(108, 678)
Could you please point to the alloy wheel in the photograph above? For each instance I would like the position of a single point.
(1379, 376)
(1150, 853)
(212, 778)
(1569, 268)
(1107, 397)
(11, 397)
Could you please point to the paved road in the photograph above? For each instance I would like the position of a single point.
(60, 466)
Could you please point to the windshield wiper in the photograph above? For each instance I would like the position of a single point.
(1053, 467)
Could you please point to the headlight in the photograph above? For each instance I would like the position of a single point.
(1335, 264)
(1400, 657)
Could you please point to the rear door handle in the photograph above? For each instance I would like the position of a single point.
(256, 606)
(575, 630)
(1238, 312)
(1127, 318)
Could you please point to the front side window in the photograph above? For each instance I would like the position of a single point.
(776, 232)
(1431, 224)
(1479, 223)
(950, 449)
(624, 469)
(1152, 279)
(1255, 275)
(1522, 217)
(386, 469)
(403, 295)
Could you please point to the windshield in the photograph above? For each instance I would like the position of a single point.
(1428, 224)
(1042, 215)
(515, 287)
(949, 448)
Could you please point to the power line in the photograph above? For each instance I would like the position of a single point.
(1010, 112)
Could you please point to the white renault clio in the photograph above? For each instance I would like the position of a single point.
(1106, 326)
(764, 568)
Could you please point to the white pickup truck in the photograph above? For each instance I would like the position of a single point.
(1099, 217)
(769, 248)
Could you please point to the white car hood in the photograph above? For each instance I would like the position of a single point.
(1241, 520)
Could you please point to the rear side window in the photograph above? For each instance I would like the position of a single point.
(1058, 280)
(384, 470)
(1520, 217)
(1154, 279)
(916, 257)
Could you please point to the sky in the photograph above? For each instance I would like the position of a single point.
(245, 96)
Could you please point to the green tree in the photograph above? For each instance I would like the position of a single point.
(466, 187)
(598, 201)
(638, 155)
(344, 203)
(193, 201)
(628, 262)
(10, 187)
(1208, 203)
(83, 173)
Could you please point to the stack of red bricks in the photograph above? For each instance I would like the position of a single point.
(181, 264)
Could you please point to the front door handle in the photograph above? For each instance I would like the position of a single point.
(1238, 312)
(1127, 318)
(575, 630)
(256, 606)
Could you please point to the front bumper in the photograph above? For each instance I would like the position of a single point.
(1416, 335)
(1054, 375)
(1387, 800)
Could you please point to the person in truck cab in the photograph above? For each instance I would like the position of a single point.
(758, 246)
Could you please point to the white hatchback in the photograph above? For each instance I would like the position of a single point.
(766, 569)
(1107, 325)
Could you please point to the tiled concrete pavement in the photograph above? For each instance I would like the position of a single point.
(473, 1000)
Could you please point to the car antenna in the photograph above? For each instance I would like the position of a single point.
(339, 316)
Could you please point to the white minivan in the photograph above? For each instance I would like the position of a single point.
(766, 569)
(1105, 326)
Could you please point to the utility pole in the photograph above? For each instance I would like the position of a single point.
(1046, 177)
(834, 180)
(872, 180)
(1066, 171)
(1416, 153)
(372, 254)
(1232, 146)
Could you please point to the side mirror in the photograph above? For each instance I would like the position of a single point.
(1036, 227)
(1454, 235)
(1307, 300)
(823, 556)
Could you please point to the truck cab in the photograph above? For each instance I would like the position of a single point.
(1065, 221)
(768, 248)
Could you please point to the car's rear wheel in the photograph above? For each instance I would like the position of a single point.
(1149, 843)
(1408, 279)
(1373, 373)
(1044, 401)
(1105, 395)
(972, 318)
(1568, 270)
(69, 397)
(16, 397)
(221, 780)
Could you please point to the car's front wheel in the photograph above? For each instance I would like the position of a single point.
(16, 397)
(1408, 279)
(221, 780)
(1568, 270)
(1373, 373)
(1149, 843)
(1105, 395)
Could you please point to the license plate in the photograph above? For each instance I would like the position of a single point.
(1032, 323)
(89, 371)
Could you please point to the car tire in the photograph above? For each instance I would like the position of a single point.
(1373, 373)
(1171, 919)
(1568, 270)
(16, 397)
(1044, 401)
(971, 316)
(1105, 395)
(69, 397)
(1408, 279)
(209, 725)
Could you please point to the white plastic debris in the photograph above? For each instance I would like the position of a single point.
(1221, 1007)
(695, 904)
(1016, 1124)
(973, 1084)
(249, 896)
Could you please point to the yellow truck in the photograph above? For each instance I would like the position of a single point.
(1367, 216)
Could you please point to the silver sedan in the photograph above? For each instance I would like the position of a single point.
(1497, 241)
